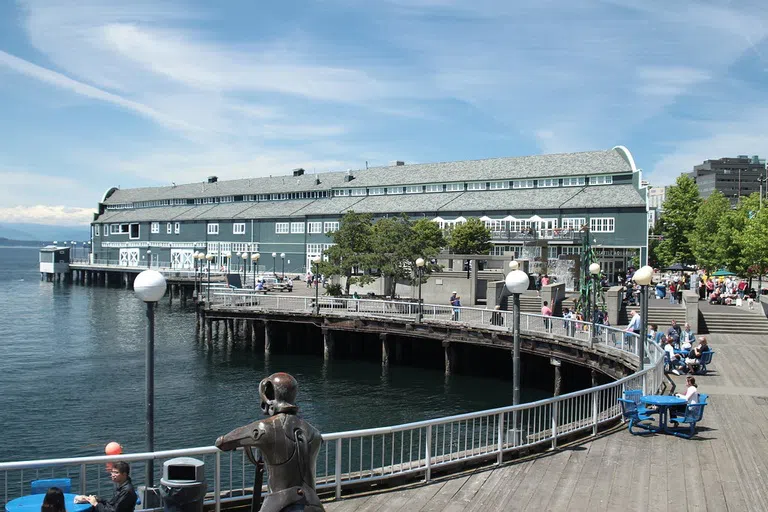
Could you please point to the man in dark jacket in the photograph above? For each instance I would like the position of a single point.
(124, 499)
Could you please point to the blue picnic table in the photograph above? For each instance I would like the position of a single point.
(662, 404)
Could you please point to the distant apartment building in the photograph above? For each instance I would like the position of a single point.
(656, 197)
(734, 177)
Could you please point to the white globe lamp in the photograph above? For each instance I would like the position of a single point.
(149, 286)
(516, 281)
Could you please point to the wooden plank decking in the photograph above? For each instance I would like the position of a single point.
(725, 467)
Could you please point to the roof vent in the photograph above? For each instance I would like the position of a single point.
(213, 179)
(349, 176)
(396, 163)
(298, 172)
(317, 181)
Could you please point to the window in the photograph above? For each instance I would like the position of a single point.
(573, 182)
(522, 184)
(499, 185)
(341, 192)
(573, 223)
(155, 227)
(477, 185)
(314, 227)
(213, 229)
(114, 229)
(600, 180)
(330, 227)
(358, 191)
(106, 231)
(414, 189)
(297, 227)
(176, 228)
(227, 199)
(281, 228)
(548, 182)
(238, 228)
(169, 228)
(433, 188)
(394, 190)
(454, 187)
(96, 230)
(133, 231)
(601, 224)
(377, 191)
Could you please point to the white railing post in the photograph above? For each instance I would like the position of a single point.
(217, 481)
(595, 399)
(500, 430)
(337, 469)
(554, 424)
(428, 475)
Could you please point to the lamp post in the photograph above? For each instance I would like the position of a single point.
(149, 286)
(244, 255)
(643, 277)
(209, 258)
(149, 257)
(255, 263)
(420, 273)
(195, 259)
(274, 263)
(282, 257)
(516, 282)
(594, 270)
(316, 261)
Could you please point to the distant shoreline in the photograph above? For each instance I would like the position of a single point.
(21, 246)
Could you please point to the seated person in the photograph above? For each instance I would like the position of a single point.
(714, 297)
(674, 333)
(124, 499)
(693, 361)
(675, 360)
(260, 286)
(687, 337)
(691, 396)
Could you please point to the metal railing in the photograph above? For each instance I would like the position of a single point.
(360, 456)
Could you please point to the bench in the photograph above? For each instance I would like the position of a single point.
(693, 414)
(631, 414)
(706, 358)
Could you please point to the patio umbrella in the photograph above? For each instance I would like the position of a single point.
(722, 273)
(679, 267)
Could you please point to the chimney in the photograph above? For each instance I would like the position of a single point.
(396, 163)
(317, 181)
(349, 176)
(298, 172)
(213, 179)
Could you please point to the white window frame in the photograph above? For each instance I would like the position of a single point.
(578, 181)
(176, 228)
(96, 230)
(138, 233)
(297, 227)
(602, 224)
(114, 229)
(573, 223)
(358, 192)
(377, 191)
(476, 185)
(315, 228)
(499, 185)
(155, 228)
(238, 228)
(212, 228)
(516, 184)
(454, 187)
(601, 180)
(434, 187)
(169, 228)
(341, 192)
(548, 182)
(282, 228)
(330, 227)
(414, 189)
(106, 230)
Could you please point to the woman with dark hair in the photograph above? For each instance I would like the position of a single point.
(53, 501)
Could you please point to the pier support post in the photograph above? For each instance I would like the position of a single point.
(558, 377)
(249, 332)
(384, 349)
(216, 329)
(232, 333)
(328, 344)
(209, 331)
(450, 359)
(267, 338)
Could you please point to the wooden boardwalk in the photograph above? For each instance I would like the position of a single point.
(725, 467)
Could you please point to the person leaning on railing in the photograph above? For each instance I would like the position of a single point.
(124, 499)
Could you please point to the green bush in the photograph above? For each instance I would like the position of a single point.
(334, 290)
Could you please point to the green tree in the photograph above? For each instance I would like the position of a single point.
(754, 239)
(678, 221)
(390, 241)
(426, 242)
(471, 237)
(704, 238)
(350, 254)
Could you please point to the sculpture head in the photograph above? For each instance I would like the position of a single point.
(278, 394)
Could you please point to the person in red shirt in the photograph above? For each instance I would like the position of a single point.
(546, 312)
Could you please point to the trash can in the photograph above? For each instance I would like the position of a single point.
(183, 486)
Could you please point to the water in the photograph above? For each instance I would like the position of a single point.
(72, 376)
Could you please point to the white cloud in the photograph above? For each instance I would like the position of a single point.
(47, 214)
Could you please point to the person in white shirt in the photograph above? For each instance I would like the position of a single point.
(635, 323)
(691, 396)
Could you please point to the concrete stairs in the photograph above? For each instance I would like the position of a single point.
(733, 321)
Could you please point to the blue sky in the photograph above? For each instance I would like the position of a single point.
(101, 93)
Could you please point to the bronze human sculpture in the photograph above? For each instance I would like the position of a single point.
(288, 444)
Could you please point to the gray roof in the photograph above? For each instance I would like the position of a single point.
(538, 166)
(603, 196)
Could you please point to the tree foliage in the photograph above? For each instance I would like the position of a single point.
(350, 254)
(750, 223)
(471, 237)
(390, 244)
(680, 211)
(705, 245)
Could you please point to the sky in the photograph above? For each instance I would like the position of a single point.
(103, 93)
